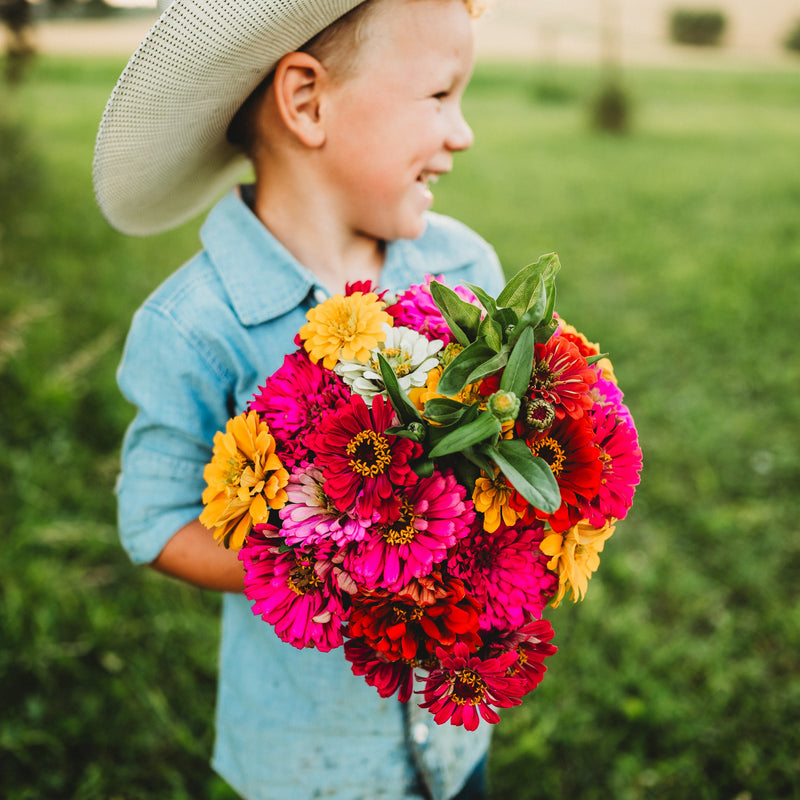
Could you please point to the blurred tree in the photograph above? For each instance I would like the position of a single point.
(17, 16)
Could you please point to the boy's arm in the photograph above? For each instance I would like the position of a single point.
(194, 556)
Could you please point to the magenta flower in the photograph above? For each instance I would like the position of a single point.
(288, 593)
(507, 573)
(311, 517)
(621, 458)
(294, 400)
(415, 309)
(388, 677)
(434, 516)
(465, 687)
(363, 466)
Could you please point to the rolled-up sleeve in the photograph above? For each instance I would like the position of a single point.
(181, 402)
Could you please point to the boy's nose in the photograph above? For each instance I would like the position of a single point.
(460, 136)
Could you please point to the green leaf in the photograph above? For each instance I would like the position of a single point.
(423, 467)
(444, 410)
(517, 374)
(492, 333)
(462, 317)
(454, 377)
(405, 409)
(594, 359)
(489, 367)
(520, 290)
(528, 474)
(486, 300)
(464, 436)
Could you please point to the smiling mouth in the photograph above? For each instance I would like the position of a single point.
(428, 177)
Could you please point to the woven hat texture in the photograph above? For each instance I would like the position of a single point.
(161, 155)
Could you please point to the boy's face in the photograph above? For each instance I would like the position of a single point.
(395, 123)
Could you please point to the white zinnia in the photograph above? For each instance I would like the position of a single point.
(409, 353)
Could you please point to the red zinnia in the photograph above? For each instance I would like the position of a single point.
(388, 677)
(569, 449)
(362, 464)
(532, 645)
(398, 627)
(562, 377)
(464, 688)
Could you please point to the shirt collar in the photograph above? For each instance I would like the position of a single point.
(264, 280)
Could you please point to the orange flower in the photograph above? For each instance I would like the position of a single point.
(575, 556)
(345, 328)
(245, 479)
(493, 498)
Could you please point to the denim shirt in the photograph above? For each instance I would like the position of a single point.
(290, 723)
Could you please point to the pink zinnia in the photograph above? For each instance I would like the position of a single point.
(311, 517)
(507, 574)
(363, 465)
(304, 607)
(562, 377)
(434, 515)
(415, 309)
(295, 399)
(465, 687)
(621, 458)
(388, 677)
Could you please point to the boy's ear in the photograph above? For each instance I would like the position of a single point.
(298, 84)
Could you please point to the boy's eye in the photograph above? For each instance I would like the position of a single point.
(441, 95)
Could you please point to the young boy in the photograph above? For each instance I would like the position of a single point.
(358, 116)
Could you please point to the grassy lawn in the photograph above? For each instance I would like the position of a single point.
(680, 245)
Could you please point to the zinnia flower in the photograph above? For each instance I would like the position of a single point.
(304, 607)
(295, 399)
(311, 517)
(433, 517)
(531, 643)
(344, 328)
(562, 377)
(493, 498)
(575, 556)
(465, 687)
(587, 349)
(410, 355)
(388, 677)
(569, 449)
(621, 459)
(245, 478)
(397, 627)
(415, 309)
(507, 573)
(364, 466)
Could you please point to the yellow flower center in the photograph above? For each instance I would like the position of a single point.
(236, 466)
(551, 451)
(468, 688)
(302, 578)
(401, 531)
(369, 452)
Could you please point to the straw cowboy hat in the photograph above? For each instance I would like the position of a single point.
(161, 155)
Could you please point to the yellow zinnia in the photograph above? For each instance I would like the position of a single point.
(344, 328)
(491, 497)
(575, 556)
(245, 479)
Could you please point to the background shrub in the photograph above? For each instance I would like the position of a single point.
(704, 28)
(792, 41)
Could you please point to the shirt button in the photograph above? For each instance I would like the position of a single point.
(320, 295)
(419, 733)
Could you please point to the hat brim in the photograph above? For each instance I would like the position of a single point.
(161, 154)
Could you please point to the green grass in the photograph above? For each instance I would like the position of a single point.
(680, 247)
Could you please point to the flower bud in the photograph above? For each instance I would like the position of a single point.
(538, 414)
(504, 405)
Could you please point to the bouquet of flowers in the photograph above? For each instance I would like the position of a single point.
(420, 478)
